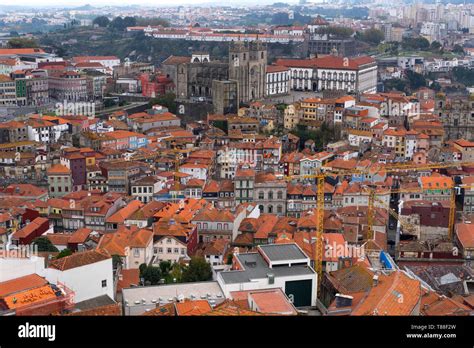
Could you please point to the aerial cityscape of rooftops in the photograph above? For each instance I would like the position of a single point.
(295, 159)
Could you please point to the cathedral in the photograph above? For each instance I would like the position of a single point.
(245, 68)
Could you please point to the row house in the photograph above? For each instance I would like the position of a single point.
(269, 193)
(301, 198)
(69, 86)
(311, 164)
(142, 122)
(133, 245)
(75, 161)
(277, 80)
(145, 188)
(121, 140)
(404, 143)
(291, 116)
(7, 91)
(121, 174)
(220, 193)
(291, 163)
(213, 223)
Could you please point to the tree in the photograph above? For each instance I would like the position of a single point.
(336, 32)
(142, 269)
(416, 80)
(165, 267)
(176, 273)
(22, 42)
(63, 253)
(101, 21)
(116, 261)
(168, 100)
(457, 49)
(117, 23)
(144, 22)
(229, 259)
(152, 275)
(464, 76)
(372, 36)
(44, 244)
(129, 22)
(198, 270)
(435, 46)
(415, 43)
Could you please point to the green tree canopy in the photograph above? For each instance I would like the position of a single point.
(144, 22)
(152, 275)
(64, 252)
(165, 267)
(372, 36)
(22, 42)
(101, 21)
(44, 244)
(435, 46)
(416, 80)
(464, 75)
(337, 31)
(168, 100)
(198, 271)
(458, 49)
(415, 43)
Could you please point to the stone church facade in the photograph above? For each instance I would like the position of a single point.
(246, 66)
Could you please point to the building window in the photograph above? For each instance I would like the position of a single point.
(104, 283)
(169, 250)
(176, 250)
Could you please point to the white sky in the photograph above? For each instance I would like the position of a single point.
(60, 3)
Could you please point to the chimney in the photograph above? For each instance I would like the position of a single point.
(343, 300)
(375, 280)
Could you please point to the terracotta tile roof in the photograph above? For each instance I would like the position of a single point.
(174, 60)
(23, 190)
(29, 297)
(127, 278)
(115, 243)
(212, 214)
(190, 308)
(58, 238)
(120, 216)
(465, 235)
(436, 182)
(276, 68)
(232, 308)
(29, 228)
(80, 236)
(443, 306)
(268, 301)
(79, 259)
(165, 310)
(20, 284)
(395, 294)
(352, 279)
(16, 51)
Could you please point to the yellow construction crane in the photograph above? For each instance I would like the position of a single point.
(389, 168)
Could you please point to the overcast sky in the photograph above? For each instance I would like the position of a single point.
(61, 3)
